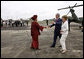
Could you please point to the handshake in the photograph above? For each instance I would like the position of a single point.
(47, 27)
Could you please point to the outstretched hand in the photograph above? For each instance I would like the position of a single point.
(52, 22)
(47, 27)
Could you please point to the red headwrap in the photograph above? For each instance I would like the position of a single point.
(34, 17)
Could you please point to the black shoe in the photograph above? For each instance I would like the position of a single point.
(60, 46)
(52, 46)
(31, 48)
(37, 49)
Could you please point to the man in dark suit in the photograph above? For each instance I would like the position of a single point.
(57, 24)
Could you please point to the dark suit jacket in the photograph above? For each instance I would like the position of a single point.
(57, 26)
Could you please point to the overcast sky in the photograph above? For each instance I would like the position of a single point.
(44, 9)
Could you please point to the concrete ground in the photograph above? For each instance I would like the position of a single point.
(16, 44)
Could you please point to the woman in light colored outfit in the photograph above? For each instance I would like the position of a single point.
(64, 32)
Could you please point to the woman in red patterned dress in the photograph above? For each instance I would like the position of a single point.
(35, 27)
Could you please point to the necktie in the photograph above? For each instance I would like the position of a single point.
(56, 20)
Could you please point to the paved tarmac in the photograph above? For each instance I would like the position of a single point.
(16, 44)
